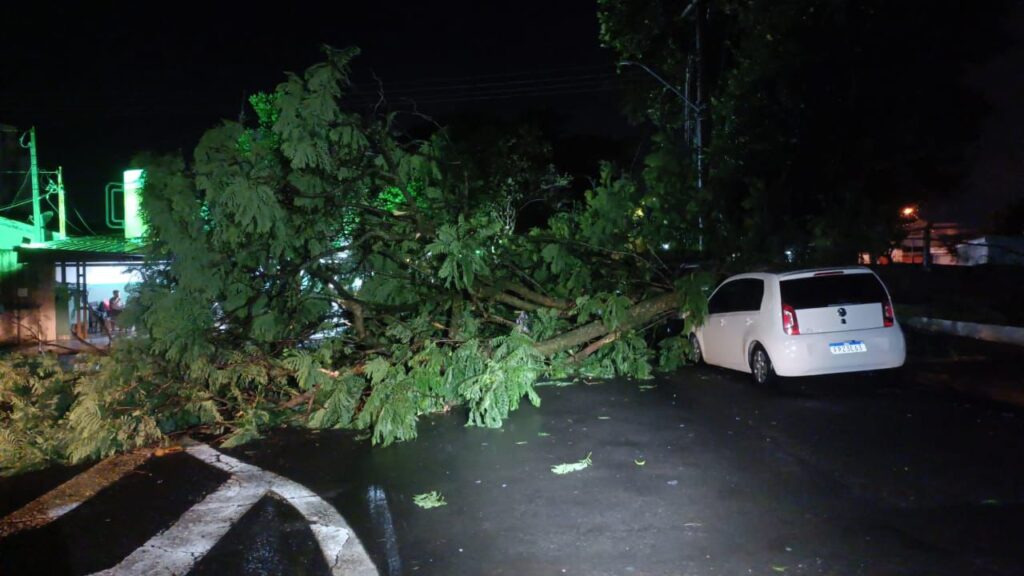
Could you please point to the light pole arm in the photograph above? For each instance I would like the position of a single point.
(664, 82)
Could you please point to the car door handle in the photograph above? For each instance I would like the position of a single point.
(750, 321)
(721, 321)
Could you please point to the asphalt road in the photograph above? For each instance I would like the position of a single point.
(699, 473)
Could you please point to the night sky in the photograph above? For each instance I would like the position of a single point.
(103, 82)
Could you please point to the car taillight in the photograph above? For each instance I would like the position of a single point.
(789, 323)
(888, 318)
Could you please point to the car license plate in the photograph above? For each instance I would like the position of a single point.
(850, 347)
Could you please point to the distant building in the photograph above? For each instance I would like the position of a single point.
(951, 244)
(991, 250)
(56, 290)
(50, 289)
(942, 238)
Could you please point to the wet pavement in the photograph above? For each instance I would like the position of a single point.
(699, 473)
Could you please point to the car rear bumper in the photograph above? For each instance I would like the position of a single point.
(810, 354)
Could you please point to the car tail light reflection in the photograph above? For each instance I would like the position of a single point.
(888, 318)
(789, 323)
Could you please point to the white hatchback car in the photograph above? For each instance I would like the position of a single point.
(801, 323)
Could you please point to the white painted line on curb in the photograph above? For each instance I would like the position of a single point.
(175, 550)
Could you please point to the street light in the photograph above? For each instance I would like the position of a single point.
(911, 213)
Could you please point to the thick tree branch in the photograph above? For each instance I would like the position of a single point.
(515, 302)
(537, 297)
(349, 303)
(594, 347)
(637, 315)
(358, 316)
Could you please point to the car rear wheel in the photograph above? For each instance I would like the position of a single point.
(761, 366)
(696, 354)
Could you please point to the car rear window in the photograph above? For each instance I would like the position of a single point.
(838, 290)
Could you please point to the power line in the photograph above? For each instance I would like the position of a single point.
(408, 88)
(21, 186)
(22, 203)
(541, 72)
(505, 96)
(489, 87)
(57, 211)
(504, 92)
(478, 85)
(84, 223)
(554, 88)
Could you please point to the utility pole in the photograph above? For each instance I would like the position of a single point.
(926, 238)
(37, 216)
(62, 211)
(688, 106)
(699, 100)
(694, 74)
(698, 17)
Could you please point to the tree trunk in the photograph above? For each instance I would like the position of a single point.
(638, 315)
(358, 316)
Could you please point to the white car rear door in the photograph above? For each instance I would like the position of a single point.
(836, 301)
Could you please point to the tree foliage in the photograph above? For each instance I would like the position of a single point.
(321, 268)
(823, 118)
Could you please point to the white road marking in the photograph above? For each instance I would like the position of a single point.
(175, 550)
(59, 511)
(380, 513)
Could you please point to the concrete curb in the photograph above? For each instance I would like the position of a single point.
(988, 332)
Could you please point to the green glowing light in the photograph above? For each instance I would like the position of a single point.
(391, 198)
(134, 223)
(266, 107)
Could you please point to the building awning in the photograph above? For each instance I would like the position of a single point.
(83, 249)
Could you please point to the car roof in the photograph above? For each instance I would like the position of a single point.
(826, 271)
(807, 272)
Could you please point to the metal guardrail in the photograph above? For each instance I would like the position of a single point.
(988, 332)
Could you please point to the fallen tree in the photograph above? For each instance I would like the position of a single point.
(321, 269)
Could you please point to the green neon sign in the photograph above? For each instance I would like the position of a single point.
(134, 224)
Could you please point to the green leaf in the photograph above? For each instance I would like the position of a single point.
(241, 436)
(429, 500)
(377, 369)
(567, 468)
